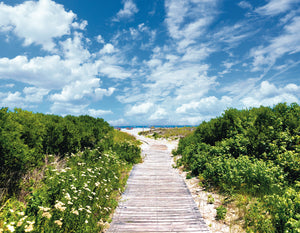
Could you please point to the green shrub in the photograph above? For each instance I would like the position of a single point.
(253, 152)
(221, 212)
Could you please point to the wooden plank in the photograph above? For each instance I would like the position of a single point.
(156, 198)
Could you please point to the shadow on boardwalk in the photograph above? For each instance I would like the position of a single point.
(156, 198)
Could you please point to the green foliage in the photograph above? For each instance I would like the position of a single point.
(210, 199)
(82, 165)
(77, 198)
(254, 152)
(169, 133)
(221, 212)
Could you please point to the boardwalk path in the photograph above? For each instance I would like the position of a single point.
(156, 198)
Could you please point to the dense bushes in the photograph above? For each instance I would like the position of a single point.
(76, 198)
(60, 174)
(254, 152)
(25, 138)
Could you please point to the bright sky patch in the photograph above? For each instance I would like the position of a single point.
(148, 62)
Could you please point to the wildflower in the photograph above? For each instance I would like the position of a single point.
(47, 215)
(67, 196)
(58, 222)
(21, 213)
(86, 221)
(30, 222)
(45, 209)
(97, 183)
(88, 211)
(11, 210)
(70, 203)
(60, 206)
(11, 228)
(75, 212)
(29, 228)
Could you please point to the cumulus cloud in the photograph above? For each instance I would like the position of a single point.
(37, 22)
(159, 114)
(100, 39)
(34, 94)
(128, 10)
(108, 48)
(45, 72)
(140, 109)
(206, 106)
(268, 95)
(25, 99)
(76, 90)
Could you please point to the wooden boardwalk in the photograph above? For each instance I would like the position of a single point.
(157, 198)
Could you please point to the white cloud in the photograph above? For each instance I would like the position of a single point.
(128, 10)
(274, 7)
(118, 122)
(37, 22)
(76, 90)
(13, 100)
(99, 92)
(9, 85)
(268, 94)
(111, 66)
(81, 25)
(159, 114)
(187, 20)
(100, 39)
(195, 120)
(140, 109)
(74, 51)
(46, 72)
(107, 49)
(34, 94)
(98, 112)
(65, 108)
(245, 5)
(30, 95)
(206, 106)
(287, 43)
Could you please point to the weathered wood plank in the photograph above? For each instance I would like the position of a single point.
(156, 198)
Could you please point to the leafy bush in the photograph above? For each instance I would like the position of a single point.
(77, 198)
(253, 152)
(82, 167)
(221, 212)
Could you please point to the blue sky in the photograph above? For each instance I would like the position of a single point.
(135, 62)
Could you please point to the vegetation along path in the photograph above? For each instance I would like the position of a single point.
(156, 198)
